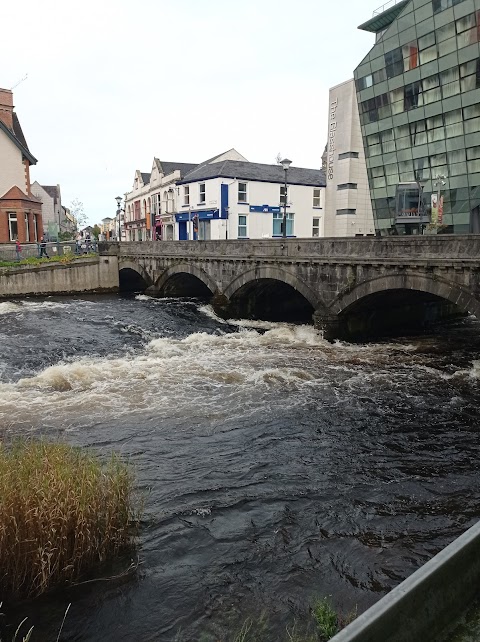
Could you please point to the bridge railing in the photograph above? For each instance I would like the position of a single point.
(8, 252)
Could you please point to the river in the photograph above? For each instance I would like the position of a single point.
(276, 467)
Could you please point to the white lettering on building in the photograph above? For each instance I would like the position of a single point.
(332, 132)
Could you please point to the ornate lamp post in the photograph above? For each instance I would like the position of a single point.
(119, 212)
(285, 163)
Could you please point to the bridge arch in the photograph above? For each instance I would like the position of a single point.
(174, 277)
(406, 301)
(276, 274)
(271, 293)
(133, 276)
(439, 287)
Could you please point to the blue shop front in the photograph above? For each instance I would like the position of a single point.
(195, 224)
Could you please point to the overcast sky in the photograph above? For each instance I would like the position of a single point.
(113, 83)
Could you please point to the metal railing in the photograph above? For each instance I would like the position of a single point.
(386, 6)
(8, 252)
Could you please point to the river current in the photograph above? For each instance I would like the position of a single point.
(276, 467)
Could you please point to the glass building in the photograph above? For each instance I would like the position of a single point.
(418, 93)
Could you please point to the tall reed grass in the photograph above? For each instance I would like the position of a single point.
(62, 512)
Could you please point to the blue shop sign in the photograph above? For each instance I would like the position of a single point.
(202, 215)
(264, 208)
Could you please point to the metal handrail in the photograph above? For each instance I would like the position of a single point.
(386, 6)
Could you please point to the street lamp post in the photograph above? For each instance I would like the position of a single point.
(285, 163)
(119, 211)
(439, 182)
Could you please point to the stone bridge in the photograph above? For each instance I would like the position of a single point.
(348, 286)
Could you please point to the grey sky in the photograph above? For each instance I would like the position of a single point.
(113, 83)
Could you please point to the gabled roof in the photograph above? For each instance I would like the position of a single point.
(146, 177)
(16, 194)
(256, 172)
(17, 137)
(184, 168)
(52, 191)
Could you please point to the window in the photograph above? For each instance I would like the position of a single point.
(348, 155)
(394, 62)
(201, 189)
(316, 197)
(425, 42)
(27, 229)
(397, 100)
(278, 221)
(242, 226)
(316, 227)
(282, 195)
(242, 193)
(441, 5)
(413, 95)
(35, 237)
(363, 83)
(12, 226)
(347, 186)
(186, 194)
(449, 80)
(473, 159)
(346, 211)
(410, 56)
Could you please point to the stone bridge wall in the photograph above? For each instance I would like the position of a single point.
(332, 274)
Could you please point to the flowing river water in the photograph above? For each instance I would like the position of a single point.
(276, 467)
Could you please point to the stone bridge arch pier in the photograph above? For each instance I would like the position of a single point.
(351, 286)
(269, 293)
(395, 304)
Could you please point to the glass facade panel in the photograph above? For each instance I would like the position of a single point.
(442, 136)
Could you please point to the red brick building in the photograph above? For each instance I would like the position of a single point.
(20, 210)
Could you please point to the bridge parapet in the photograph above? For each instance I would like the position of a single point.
(437, 248)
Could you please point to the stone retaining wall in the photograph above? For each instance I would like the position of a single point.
(84, 275)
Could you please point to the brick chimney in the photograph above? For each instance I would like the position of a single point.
(6, 107)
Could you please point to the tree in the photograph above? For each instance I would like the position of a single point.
(96, 231)
(76, 209)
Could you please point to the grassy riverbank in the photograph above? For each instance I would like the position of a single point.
(34, 260)
(319, 624)
(62, 513)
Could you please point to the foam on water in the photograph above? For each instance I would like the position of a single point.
(7, 307)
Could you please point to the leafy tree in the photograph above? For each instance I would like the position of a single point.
(96, 231)
(65, 236)
(77, 210)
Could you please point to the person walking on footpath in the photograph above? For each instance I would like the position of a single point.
(43, 248)
(18, 250)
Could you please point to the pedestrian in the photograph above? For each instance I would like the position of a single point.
(18, 250)
(43, 247)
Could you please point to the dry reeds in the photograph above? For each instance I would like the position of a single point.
(61, 512)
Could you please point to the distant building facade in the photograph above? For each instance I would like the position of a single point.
(20, 210)
(55, 219)
(348, 208)
(225, 197)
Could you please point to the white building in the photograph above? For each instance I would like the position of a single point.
(226, 197)
(53, 214)
(348, 210)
